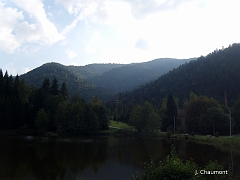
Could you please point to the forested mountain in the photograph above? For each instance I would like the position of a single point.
(103, 80)
(127, 77)
(209, 76)
(91, 70)
(76, 84)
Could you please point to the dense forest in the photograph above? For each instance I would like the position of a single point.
(130, 76)
(210, 76)
(206, 78)
(189, 98)
(104, 80)
(33, 110)
(76, 84)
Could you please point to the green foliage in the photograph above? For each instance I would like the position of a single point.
(170, 113)
(214, 166)
(74, 78)
(209, 76)
(101, 79)
(214, 120)
(13, 102)
(130, 76)
(175, 168)
(54, 87)
(47, 109)
(201, 113)
(41, 122)
(64, 91)
(144, 118)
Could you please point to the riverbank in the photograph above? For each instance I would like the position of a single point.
(226, 143)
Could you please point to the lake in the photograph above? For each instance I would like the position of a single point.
(29, 157)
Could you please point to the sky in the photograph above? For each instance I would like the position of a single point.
(81, 32)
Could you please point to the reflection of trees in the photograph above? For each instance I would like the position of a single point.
(50, 159)
(140, 150)
(54, 158)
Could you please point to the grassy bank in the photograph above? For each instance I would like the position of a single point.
(223, 142)
(119, 125)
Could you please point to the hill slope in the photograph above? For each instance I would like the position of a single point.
(130, 76)
(209, 75)
(75, 84)
(101, 79)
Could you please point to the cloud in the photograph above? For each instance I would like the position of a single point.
(142, 44)
(16, 30)
(142, 8)
(93, 10)
(71, 54)
(42, 30)
(8, 41)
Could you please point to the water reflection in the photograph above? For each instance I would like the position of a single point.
(94, 158)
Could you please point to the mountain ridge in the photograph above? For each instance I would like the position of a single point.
(210, 75)
(100, 79)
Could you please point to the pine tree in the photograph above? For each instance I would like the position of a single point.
(54, 87)
(64, 91)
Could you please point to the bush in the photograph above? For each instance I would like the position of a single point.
(175, 168)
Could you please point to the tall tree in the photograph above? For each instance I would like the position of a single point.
(144, 118)
(54, 87)
(64, 91)
(1, 82)
(41, 121)
(195, 111)
(171, 112)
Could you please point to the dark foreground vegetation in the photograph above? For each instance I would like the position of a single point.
(175, 168)
(30, 110)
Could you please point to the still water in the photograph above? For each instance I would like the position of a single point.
(94, 157)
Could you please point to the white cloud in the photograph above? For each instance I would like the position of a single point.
(92, 10)
(43, 30)
(71, 26)
(71, 54)
(16, 30)
(8, 41)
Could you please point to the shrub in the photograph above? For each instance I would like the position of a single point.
(175, 168)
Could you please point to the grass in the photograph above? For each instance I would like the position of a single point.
(119, 125)
(224, 143)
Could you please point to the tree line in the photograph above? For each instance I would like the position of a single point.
(210, 75)
(28, 109)
(200, 115)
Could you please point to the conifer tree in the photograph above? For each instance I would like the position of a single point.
(54, 87)
(64, 91)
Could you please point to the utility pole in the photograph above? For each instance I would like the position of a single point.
(174, 124)
(230, 119)
(117, 110)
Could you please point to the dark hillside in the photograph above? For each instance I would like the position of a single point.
(209, 75)
(92, 70)
(75, 84)
(130, 76)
